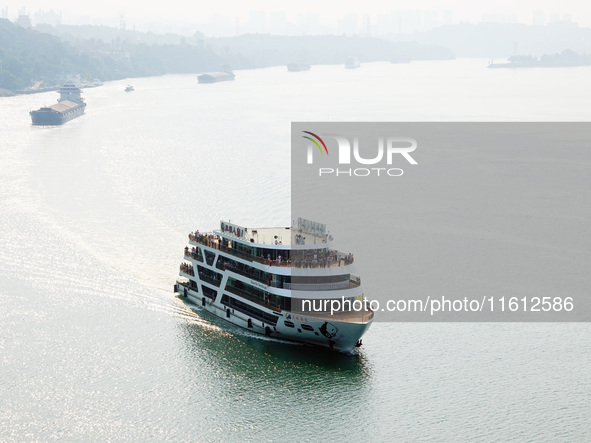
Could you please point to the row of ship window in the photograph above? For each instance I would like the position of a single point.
(247, 309)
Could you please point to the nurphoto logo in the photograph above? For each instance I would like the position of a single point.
(381, 153)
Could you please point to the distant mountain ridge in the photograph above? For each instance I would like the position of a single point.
(29, 56)
(260, 50)
(39, 56)
(486, 40)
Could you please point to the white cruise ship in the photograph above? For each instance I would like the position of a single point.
(286, 283)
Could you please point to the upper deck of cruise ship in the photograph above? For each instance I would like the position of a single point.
(286, 236)
(303, 234)
(281, 246)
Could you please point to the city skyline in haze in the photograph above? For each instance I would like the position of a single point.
(264, 16)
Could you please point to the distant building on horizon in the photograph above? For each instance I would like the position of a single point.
(49, 17)
(24, 21)
(539, 18)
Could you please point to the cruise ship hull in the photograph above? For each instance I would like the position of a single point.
(325, 332)
(269, 281)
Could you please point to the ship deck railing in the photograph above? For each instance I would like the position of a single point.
(239, 292)
(210, 280)
(187, 269)
(194, 255)
(353, 282)
(352, 316)
(213, 241)
(248, 296)
(186, 285)
(251, 276)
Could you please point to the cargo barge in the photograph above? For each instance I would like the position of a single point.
(297, 67)
(214, 77)
(69, 106)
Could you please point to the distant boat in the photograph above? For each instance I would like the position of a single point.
(70, 105)
(296, 67)
(503, 65)
(129, 88)
(516, 61)
(92, 83)
(352, 63)
(566, 59)
(214, 77)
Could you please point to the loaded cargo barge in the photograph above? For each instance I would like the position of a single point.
(69, 106)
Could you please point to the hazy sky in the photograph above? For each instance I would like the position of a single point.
(328, 12)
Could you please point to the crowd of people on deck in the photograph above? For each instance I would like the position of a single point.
(321, 260)
(299, 259)
(279, 261)
(193, 252)
(187, 269)
(210, 240)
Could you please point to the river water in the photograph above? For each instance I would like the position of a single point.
(94, 216)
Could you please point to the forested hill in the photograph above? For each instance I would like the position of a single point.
(26, 55)
(29, 57)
